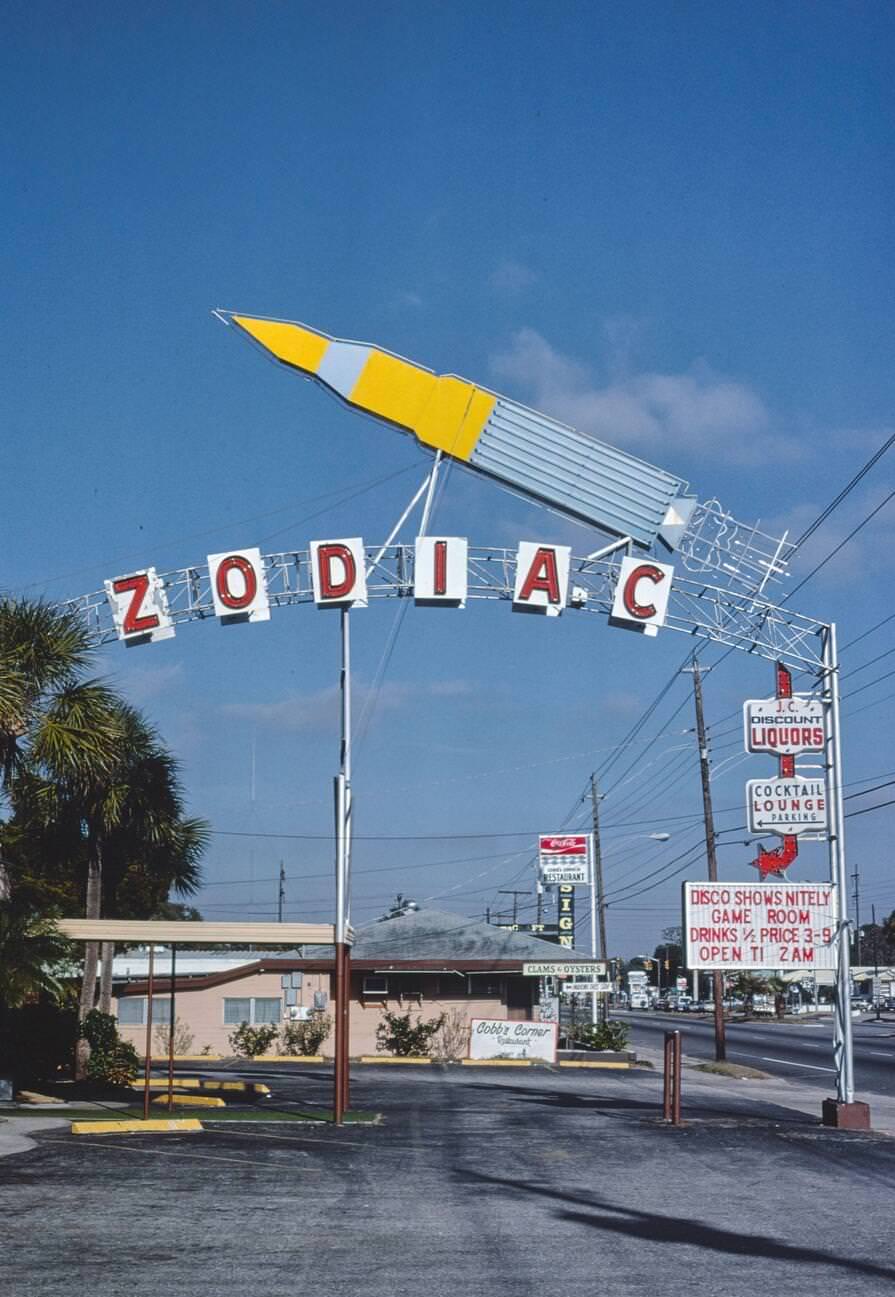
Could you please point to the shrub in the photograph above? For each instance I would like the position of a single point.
(307, 1036)
(452, 1041)
(112, 1061)
(249, 1042)
(604, 1035)
(183, 1038)
(396, 1034)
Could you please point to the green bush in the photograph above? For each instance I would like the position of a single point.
(249, 1042)
(603, 1035)
(112, 1061)
(307, 1036)
(396, 1034)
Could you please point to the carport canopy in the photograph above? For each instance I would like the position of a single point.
(170, 931)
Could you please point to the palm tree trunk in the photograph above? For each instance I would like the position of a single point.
(107, 954)
(91, 952)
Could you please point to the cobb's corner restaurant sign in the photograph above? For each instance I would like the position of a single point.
(506, 1038)
(338, 570)
(760, 925)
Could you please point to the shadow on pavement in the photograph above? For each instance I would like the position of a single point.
(755, 1109)
(681, 1229)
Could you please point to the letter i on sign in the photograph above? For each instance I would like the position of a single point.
(439, 571)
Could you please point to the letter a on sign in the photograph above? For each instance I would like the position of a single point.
(238, 586)
(542, 578)
(139, 607)
(338, 573)
(439, 570)
(641, 596)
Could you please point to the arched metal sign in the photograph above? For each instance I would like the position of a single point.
(669, 562)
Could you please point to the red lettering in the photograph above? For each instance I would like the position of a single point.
(439, 584)
(137, 586)
(542, 575)
(646, 572)
(236, 563)
(329, 587)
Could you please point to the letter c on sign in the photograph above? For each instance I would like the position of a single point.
(236, 563)
(645, 572)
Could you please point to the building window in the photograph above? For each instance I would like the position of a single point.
(256, 1012)
(375, 984)
(132, 1010)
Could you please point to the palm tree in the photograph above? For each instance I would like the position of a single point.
(748, 985)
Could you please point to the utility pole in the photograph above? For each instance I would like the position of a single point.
(597, 880)
(515, 893)
(857, 877)
(598, 1009)
(711, 857)
(876, 986)
(281, 899)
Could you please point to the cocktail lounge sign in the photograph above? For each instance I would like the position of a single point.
(338, 572)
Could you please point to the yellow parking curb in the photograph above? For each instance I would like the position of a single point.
(288, 1058)
(499, 1062)
(569, 1062)
(161, 1083)
(176, 1125)
(243, 1087)
(191, 1100)
(392, 1058)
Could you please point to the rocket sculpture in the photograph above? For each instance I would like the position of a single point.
(526, 451)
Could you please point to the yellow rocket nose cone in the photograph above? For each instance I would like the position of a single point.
(294, 345)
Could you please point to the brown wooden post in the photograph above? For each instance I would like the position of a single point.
(148, 1059)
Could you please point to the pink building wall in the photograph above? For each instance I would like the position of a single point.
(201, 1010)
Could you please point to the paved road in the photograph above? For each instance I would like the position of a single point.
(481, 1182)
(799, 1051)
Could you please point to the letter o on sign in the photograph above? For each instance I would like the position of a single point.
(236, 563)
(238, 586)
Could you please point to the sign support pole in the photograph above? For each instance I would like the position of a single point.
(597, 905)
(711, 857)
(843, 1050)
(341, 1082)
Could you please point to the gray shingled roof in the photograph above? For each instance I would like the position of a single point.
(435, 934)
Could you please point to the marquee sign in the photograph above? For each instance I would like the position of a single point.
(338, 578)
(759, 925)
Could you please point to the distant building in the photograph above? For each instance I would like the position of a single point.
(429, 961)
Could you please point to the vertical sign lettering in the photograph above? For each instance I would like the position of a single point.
(338, 573)
(542, 578)
(641, 596)
(139, 607)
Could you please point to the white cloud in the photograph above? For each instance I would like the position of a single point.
(858, 557)
(512, 277)
(301, 713)
(141, 684)
(697, 411)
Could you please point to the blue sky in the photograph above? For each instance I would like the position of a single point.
(670, 225)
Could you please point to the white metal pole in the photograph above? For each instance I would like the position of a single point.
(593, 932)
(345, 763)
(843, 1049)
(430, 493)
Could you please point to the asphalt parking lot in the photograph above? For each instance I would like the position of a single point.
(477, 1181)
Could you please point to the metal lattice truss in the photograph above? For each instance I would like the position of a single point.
(705, 612)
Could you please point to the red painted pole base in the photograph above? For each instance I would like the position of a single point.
(846, 1116)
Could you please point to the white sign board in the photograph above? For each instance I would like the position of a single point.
(505, 1038)
(784, 727)
(796, 805)
(440, 570)
(586, 988)
(565, 857)
(760, 925)
(641, 595)
(556, 969)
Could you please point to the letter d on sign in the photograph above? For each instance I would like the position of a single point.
(641, 596)
(338, 573)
